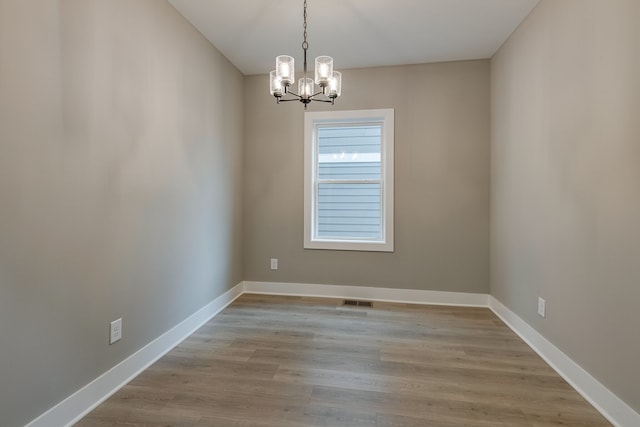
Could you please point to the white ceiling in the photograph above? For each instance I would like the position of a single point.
(356, 33)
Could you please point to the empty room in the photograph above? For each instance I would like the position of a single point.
(301, 213)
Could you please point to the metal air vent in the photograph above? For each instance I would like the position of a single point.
(357, 303)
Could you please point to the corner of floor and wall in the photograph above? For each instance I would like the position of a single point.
(134, 186)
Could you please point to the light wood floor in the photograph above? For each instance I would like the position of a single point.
(289, 361)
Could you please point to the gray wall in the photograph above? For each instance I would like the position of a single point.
(441, 181)
(565, 201)
(120, 187)
(122, 194)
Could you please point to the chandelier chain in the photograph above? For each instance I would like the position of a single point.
(305, 45)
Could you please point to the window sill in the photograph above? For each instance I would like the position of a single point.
(349, 245)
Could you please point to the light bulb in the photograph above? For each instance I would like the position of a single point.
(276, 88)
(324, 70)
(305, 87)
(335, 84)
(285, 69)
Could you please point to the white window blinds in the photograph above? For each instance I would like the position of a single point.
(349, 182)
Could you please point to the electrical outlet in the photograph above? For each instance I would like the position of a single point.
(274, 263)
(116, 331)
(542, 307)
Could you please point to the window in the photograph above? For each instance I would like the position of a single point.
(348, 187)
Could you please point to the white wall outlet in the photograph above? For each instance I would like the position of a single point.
(542, 307)
(274, 263)
(116, 331)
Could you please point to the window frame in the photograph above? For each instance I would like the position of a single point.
(314, 120)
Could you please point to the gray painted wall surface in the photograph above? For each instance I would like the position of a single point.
(565, 201)
(441, 181)
(120, 187)
(121, 184)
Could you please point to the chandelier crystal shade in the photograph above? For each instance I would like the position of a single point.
(283, 77)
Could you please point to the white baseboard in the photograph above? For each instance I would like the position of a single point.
(368, 293)
(608, 404)
(80, 403)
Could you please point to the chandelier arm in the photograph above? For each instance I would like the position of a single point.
(322, 100)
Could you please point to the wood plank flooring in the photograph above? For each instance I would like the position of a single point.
(302, 362)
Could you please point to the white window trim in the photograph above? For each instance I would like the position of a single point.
(311, 121)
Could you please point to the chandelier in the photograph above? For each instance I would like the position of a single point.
(329, 81)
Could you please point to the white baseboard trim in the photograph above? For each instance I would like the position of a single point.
(412, 296)
(608, 404)
(80, 403)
